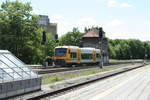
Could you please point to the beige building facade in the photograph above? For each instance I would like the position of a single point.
(49, 27)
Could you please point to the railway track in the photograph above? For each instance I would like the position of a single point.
(79, 71)
(52, 70)
(89, 80)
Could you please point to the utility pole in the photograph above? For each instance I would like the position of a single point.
(101, 45)
(44, 42)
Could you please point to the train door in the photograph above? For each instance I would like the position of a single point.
(94, 56)
(68, 55)
(78, 56)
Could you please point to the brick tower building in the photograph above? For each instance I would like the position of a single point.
(95, 37)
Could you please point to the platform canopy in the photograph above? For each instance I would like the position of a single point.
(11, 68)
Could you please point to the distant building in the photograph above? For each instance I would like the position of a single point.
(44, 21)
(93, 38)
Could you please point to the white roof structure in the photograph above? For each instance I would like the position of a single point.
(11, 68)
(4, 51)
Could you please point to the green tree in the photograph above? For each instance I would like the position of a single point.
(112, 53)
(128, 49)
(51, 44)
(71, 38)
(19, 31)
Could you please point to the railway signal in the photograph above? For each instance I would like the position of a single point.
(56, 38)
(44, 37)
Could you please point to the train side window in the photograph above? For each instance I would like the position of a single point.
(86, 56)
(97, 55)
(90, 56)
(73, 55)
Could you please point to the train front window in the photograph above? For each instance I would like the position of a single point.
(60, 52)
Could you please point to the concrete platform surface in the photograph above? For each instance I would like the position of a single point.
(72, 82)
(132, 85)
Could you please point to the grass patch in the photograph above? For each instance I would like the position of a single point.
(47, 80)
(53, 79)
(52, 87)
(125, 61)
(88, 73)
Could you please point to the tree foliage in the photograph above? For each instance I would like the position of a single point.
(71, 38)
(20, 32)
(128, 49)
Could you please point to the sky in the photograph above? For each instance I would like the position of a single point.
(120, 19)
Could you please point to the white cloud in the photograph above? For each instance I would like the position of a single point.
(98, 0)
(115, 23)
(57, 17)
(115, 28)
(126, 5)
(86, 22)
(144, 36)
(112, 3)
(63, 25)
(146, 23)
(115, 3)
